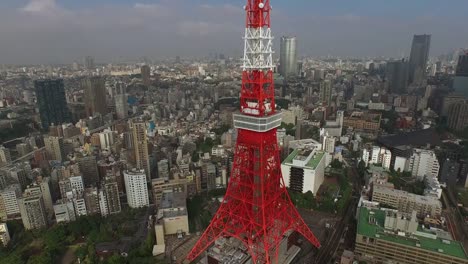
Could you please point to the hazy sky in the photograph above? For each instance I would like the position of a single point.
(58, 31)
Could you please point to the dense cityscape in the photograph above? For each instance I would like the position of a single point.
(182, 160)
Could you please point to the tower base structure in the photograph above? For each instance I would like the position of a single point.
(257, 209)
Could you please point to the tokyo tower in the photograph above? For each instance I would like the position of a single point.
(257, 209)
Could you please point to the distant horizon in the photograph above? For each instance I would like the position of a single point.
(39, 32)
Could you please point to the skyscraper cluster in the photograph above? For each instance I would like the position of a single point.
(402, 73)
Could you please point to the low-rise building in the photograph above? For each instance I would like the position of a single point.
(64, 211)
(385, 236)
(172, 213)
(363, 121)
(407, 202)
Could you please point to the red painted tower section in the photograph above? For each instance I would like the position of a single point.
(257, 209)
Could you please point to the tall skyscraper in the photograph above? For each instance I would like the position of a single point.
(54, 148)
(460, 82)
(136, 188)
(326, 92)
(146, 75)
(52, 102)
(397, 76)
(141, 147)
(418, 58)
(257, 208)
(288, 56)
(458, 116)
(94, 95)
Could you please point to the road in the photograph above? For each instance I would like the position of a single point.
(327, 252)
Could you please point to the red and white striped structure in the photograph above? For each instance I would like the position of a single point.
(257, 209)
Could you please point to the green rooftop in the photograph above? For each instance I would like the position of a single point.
(312, 163)
(451, 248)
(291, 156)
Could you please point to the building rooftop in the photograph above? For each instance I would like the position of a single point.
(371, 224)
(415, 138)
(311, 158)
(421, 199)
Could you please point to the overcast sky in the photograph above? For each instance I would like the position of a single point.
(63, 31)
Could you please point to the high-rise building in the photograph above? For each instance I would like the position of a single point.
(42, 189)
(111, 192)
(288, 56)
(460, 82)
(89, 63)
(52, 103)
(146, 75)
(4, 234)
(397, 76)
(141, 147)
(91, 198)
(89, 170)
(448, 101)
(458, 116)
(106, 139)
(121, 106)
(326, 92)
(304, 170)
(462, 66)
(54, 148)
(418, 58)
(5, 156)
(94, 95)
(33, 212)
(424, 163)
(136, 188)
(9, 196)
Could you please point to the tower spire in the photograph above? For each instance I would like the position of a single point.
(257, 209)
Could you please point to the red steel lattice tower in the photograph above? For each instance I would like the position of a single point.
(256, 209)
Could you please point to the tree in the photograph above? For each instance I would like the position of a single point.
(116, 259)
(336, 164)
(361, 167)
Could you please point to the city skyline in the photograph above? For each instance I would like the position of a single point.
(53, 31)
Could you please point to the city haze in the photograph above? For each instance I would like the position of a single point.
(55, 31)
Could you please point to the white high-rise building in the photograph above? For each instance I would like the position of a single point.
(329, 144)
(76, 183)
(106, 138)
(365, 156)
(375, 155)
(386, 156)
(4, 234)
(137, 189)
(424, 163)
(80, 206)
(103, 203)
(9, 201)
(304, 169)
